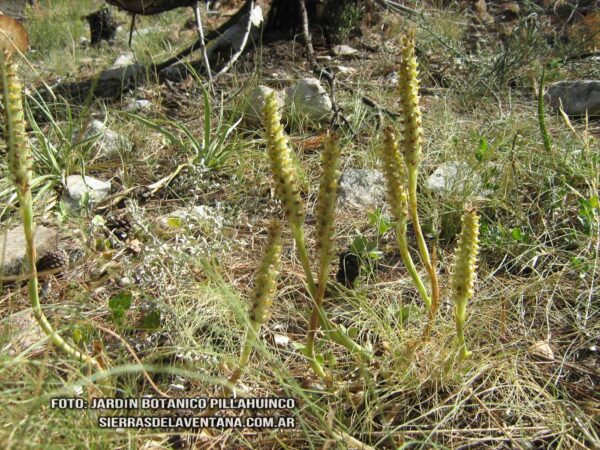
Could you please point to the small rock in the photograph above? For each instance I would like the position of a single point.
(13, 259)
(153, 445)
(24, 332)
(206, 218)
(542, 349)
(344, 50)
(323, 58)
(576, 97)
(124, 282)
(255, 102)
(107, 142)
(308, 98)
(457, 177)
(392, 79)
(344, 70)
(138, 105)
(361, 188)
(281, 340)
(126, 59)
(78, 186)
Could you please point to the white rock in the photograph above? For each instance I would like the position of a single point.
(457, 177)
(308, 98)
(123, 60)
(576, 97)
(77, 186)
(361, 188)
(138, 105)
(542, 349)
(107, 142)
(255, 103)
(344, 70)
(12, 250)
(281, 340)
(344, 50)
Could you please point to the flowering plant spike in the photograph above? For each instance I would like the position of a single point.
(463, 276)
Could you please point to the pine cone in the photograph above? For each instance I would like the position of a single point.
(120, 227)
(55, 261)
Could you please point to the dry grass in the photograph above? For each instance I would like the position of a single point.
(537, 279)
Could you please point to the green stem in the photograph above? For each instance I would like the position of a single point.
(314, 321)
(408, 262)
(542, 116)
(335, 334)
(459, 318)
(423, 251)
(26, 208)
(251, 335)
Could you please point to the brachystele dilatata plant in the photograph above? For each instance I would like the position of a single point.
(20, 168)
(287, 191)
(463, 275)
(400, 163)
(402, 173)
(262, 296)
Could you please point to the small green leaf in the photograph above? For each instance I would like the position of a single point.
(516, 234)
(98, 221)
(151, 321)
(593, 202)
(482, 150)
(122, 301)
(77, 335)
(174, 222)
(299, 346)
(118, 312)
(352, 332)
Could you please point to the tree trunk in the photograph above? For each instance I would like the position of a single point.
(339, 19)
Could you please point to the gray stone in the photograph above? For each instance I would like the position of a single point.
(13, 248)
(455, 177)
(361, 188)
(308, 98)
(138, 105)
(576, 97)
(344, 50)
(126, 59)
(78, 186)
(107, 142)
(24, 332)
(255, 103)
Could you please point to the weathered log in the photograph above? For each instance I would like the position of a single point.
(150, 7)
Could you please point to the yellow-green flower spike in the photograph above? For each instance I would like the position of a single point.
(266, 279)
(282, 166)
(395, 175)
(19, 165)
(408, 87)
(19, 153)
(463, 276)
(326, 200)
(262, 296)
(408, 90)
